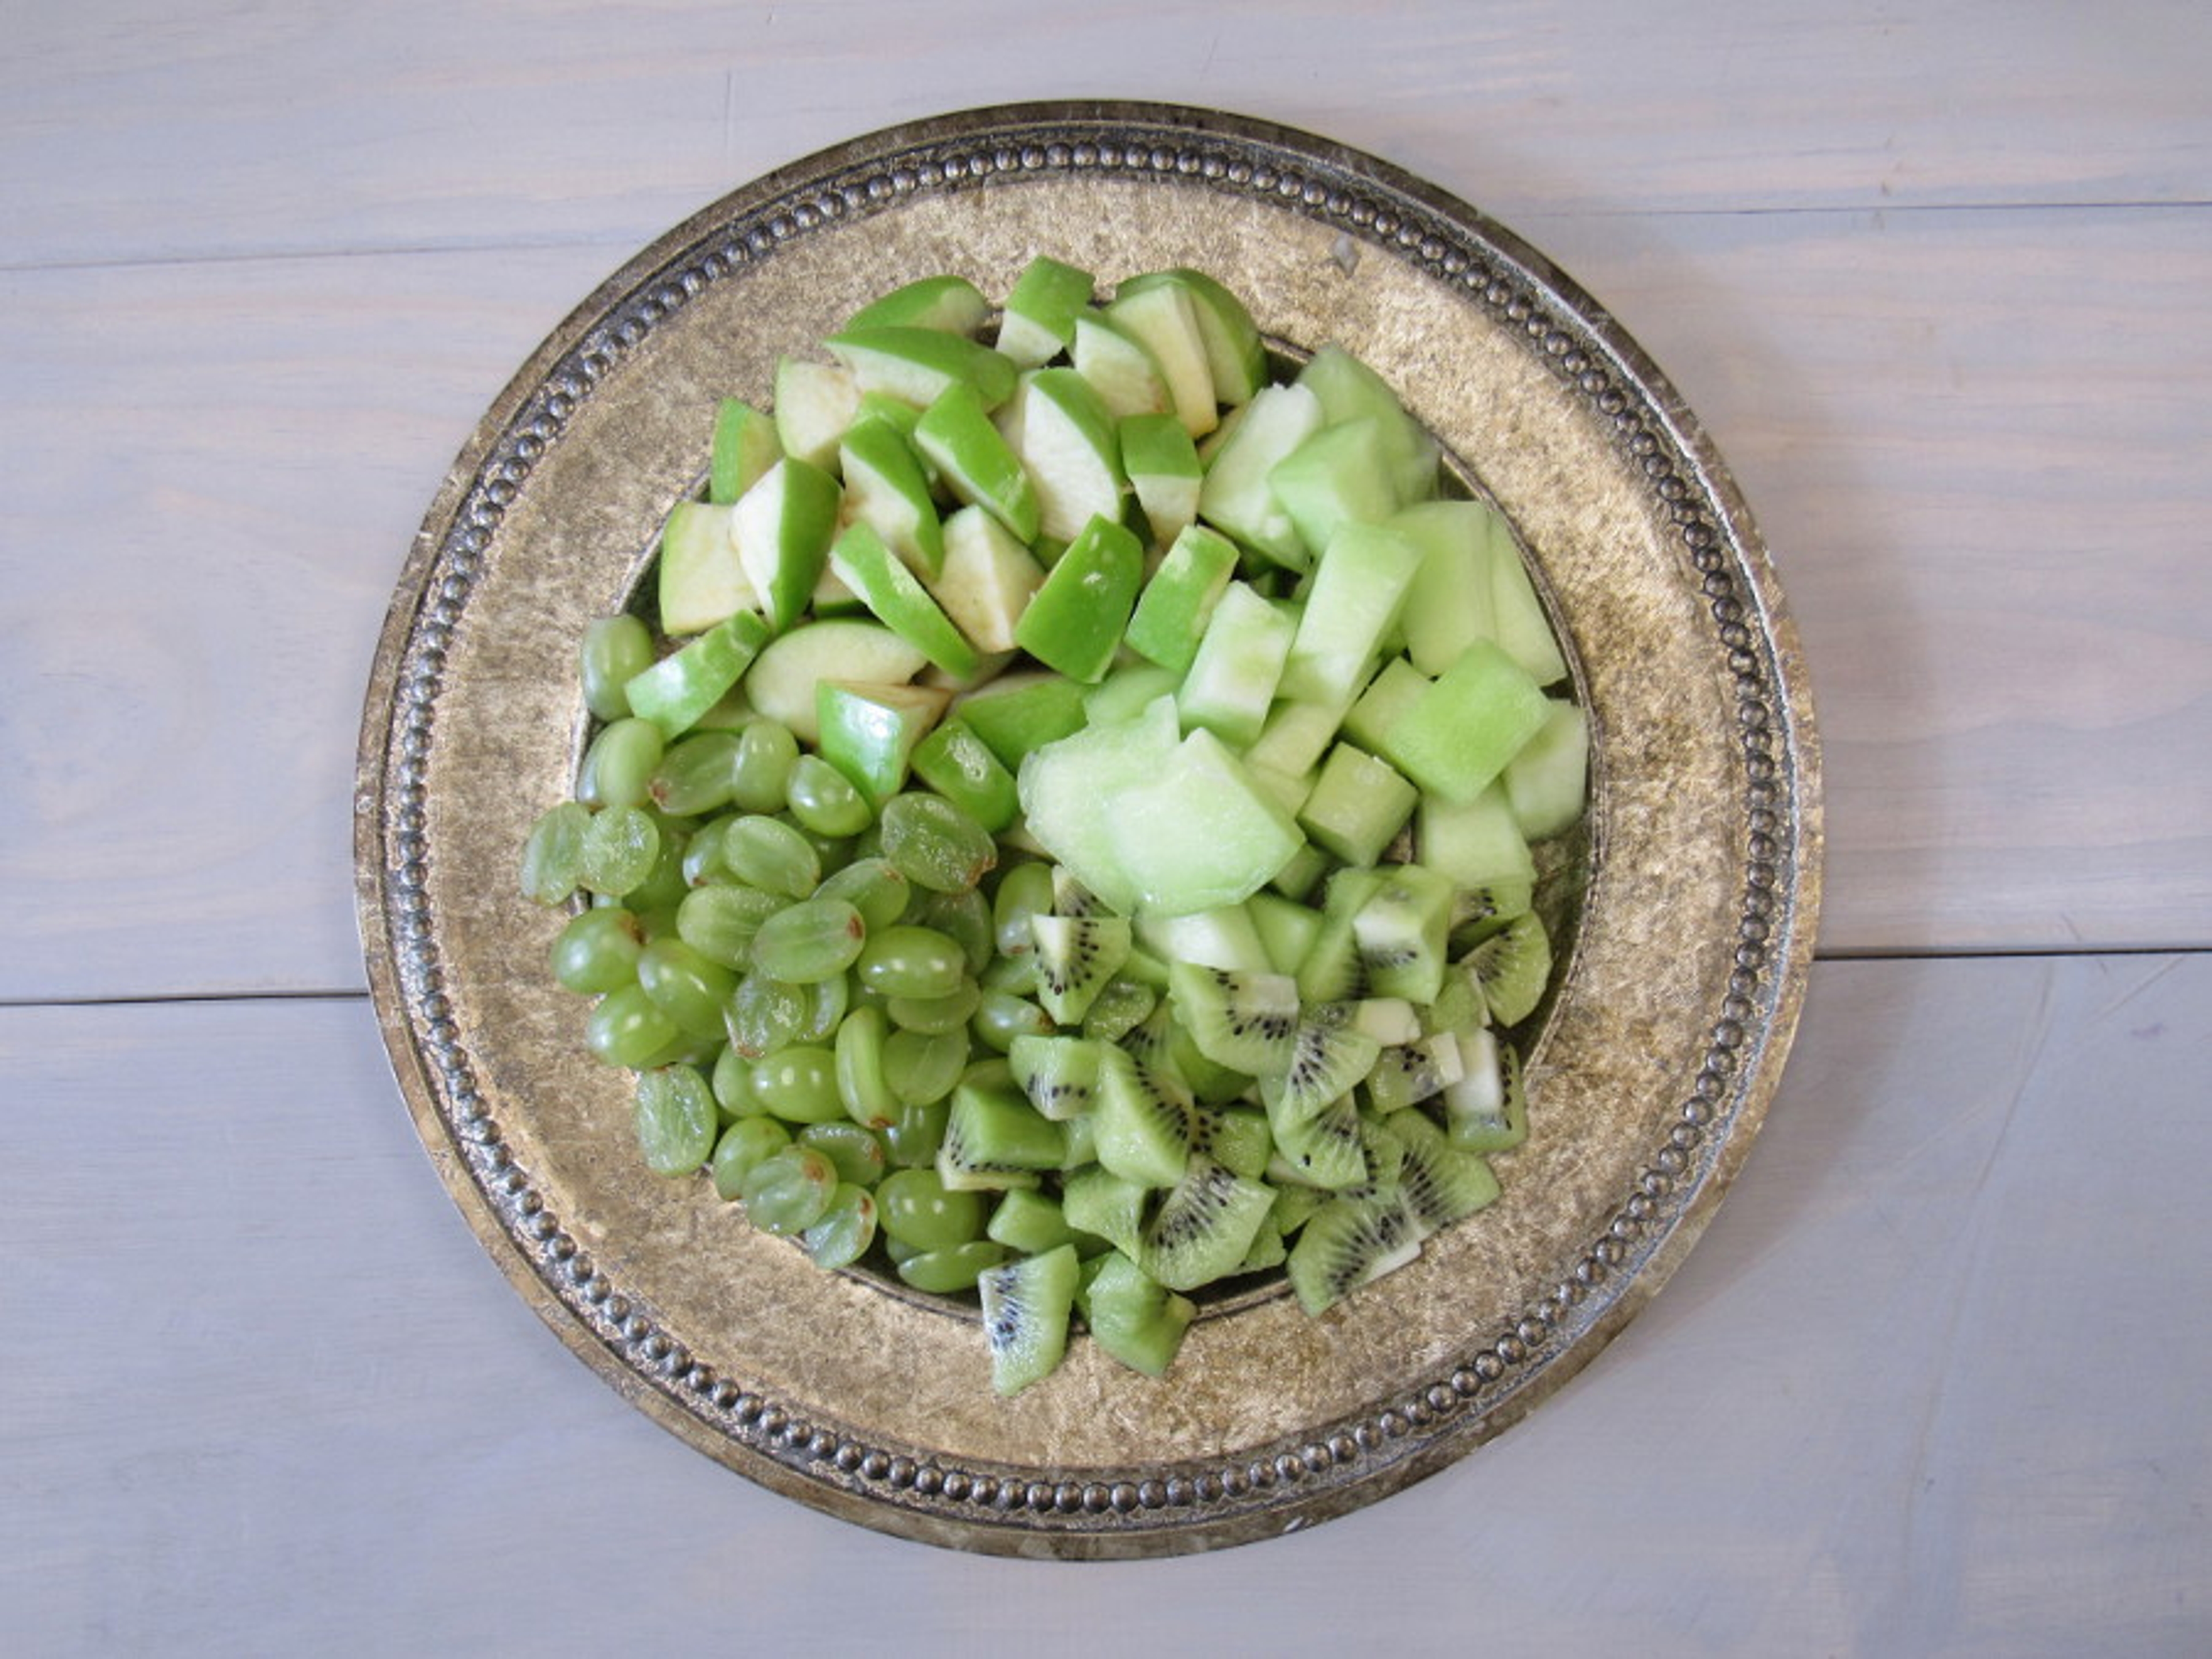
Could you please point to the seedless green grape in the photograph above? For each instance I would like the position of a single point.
(862, 1083)
(824, 800)
(787, 1192)
(874, 887)
(676, 1120)
(553, 856)
(618, 767)
(696, 774)
(808, 942)
(719, 922)
(760, 776)
(627, 1027)
(764, 1014)
(620, 847)
(746, 1144)
(685, 986)
(915, 1207)
(907, 961)
(846, 1226)
(615, 649)
(943, 1271)
(858, 1154)
(935, 844)
(798, 1083)
(598, 951)
(768, 853)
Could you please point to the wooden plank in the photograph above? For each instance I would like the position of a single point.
(253, 130)
(1931, 1382)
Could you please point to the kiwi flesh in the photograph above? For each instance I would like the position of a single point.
(1204, 1225)
(994, 1138)
(1348, 1242)
(1438, 1183)
(1134, 1318)
(1142, 1121)
(1402, 932)
(1120, 1007)
(1325, 1151)
(1058, 1074)
(1075, 957)
(1237, 1136)
(1487, 1110)
(1244, 1021)
(1512, 967)
(1405, 1074)
(1326, 1061)
(1097, 1201)
(1026, 1304)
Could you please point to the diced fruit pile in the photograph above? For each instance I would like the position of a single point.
(1068, 838)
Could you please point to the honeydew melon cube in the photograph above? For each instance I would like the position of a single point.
(1039, 320)
(780, 682)
(1457, 737)
(1066, 443)
(1518, 616)
(1200, 833)
(888, 489)
(1358, 805)
(868, 567)
(1547, 782)
(951, 303)
(974, 459)
(1358, 587)
(1393, 690)
(1231, 681)
(1235, 358)
(1449, 605)
(918, 365)
(1236, 498)
(1348, 390)
(1178, 600)
(783, 527)
(1227, 937)
(814, 404)
(1076, 620)
(1478, 843)
(1338, 476)
(744, 446)
(1296, 736)
(702, 580)
(1162, 465)
(987, 579)
(1067, 787)
(1163, 318)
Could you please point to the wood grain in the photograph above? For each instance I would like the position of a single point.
(1930, 1383)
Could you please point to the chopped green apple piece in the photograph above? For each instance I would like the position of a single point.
(1547, 781)
(960, 767)
(676, 691)
(1039, 320)
(745, 445)
(952, 304)
(1235, 497)
(814, 404)
(1161, 462)
(1016, 713)
(1460, 733)
(780, 682)
(1178, 601)
(987, 579)
(973, 457)
(1164, 319)
(1120, 368)
(1231, 681)
(783, 527)
(869, 567)
(887, 488)
(870, 732)
(1235, 358)
(917, 365)
(1076, 621)
(701, 579)
(1067, 446)
(1358, 585)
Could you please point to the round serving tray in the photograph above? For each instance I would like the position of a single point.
(1681, 976)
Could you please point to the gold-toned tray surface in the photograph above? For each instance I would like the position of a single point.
(1656, 1057)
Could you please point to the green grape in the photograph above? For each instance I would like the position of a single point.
(935, 844)
(732, 1081)
(747, 1143)
(787, 1192)
(761, 773)
(871, 886)
(858, 1154)
(906, 961)
(664, 886)
(621, 847)
(936, 1016)
(627, 1027)
(598, 951)
(845, 1229)
(944, 1272)
(1017, 975)
(824, 799)
(703, 852)
(861, 1080)
(1023, 891)
(826, 1005)
(765, 1015)
(719, 921)
(812, 940)
(614, 649)
(676, 1120)
(963, 917)
(768, 853)
(915, 1207)
(924, 1069)
(798, 1083)
(618, 767)
(553, 855)
(695, 775)
(914, 1138)
(1001, 1017)
(685, 986)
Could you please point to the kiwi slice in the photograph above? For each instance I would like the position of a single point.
(1487, 1110)
(1244, 1021)
(1070, 897)
(1119, 1008)
(1097, 1201)
(1142, 1121)
(1332, 968)
(994, 1138)
(1438, 1183)
(1512, 967)
(1326, 1062)
(1326, 1150)
(1075, 957)
(1401, 931)
(1235, 1136)
(1133, 1317)
(1204, 1225)
(1405, 1074)
(1026, 1303)
(1348, 1242)
(1058, 1074)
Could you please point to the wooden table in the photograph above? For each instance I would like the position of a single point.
(1938, 279)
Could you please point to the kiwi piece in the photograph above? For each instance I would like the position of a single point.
(1237, 1136)
(1244, 1021)
(1326, 1150)
(1058, 1074)
(1388, 1020)
(1119, 1006)
(1142, 1121)
(1075, 957)
(1026, 1303)
(1097, 1201)
(1402, 932)
(1027, 1221)
(1459, 1008)
(1348, 1242)
(1070, 897)
(1512, 968)
(994, 1138)
(1477, 912)
(1407, 1074)
(1326, 1062)
(1439, 1182)
(1294, 1202)
(1487, 1109)
(1269, 1248)
(1203, 1226)
(1333, 970)
(1134, 1318)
